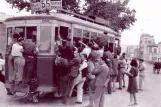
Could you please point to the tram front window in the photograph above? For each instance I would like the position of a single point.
(31, 31)
(20, 31)
(45, 39)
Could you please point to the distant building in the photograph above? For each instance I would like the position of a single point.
(132, 51)
(123, 48)
(148, 49)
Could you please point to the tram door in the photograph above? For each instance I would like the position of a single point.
(63, 32)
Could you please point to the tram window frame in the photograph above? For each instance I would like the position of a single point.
(99, 35)
(44, 30)
(86, 36)
(56, 33)
(93, 36)
(34, 35)
(23, 35)
(77, 32)
(75, 41)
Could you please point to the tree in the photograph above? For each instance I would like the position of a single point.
(72, 5)
(115, 11)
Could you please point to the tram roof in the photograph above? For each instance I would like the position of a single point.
(63, 17)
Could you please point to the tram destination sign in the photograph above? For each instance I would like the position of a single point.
(39, 5)
(56, 4)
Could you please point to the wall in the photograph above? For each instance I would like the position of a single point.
(3, 38)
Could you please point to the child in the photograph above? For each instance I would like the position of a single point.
(132, 86)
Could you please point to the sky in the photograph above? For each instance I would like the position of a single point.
(147, 13)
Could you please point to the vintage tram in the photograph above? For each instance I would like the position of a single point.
(46, 29)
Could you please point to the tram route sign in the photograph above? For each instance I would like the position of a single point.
(38, 5)
(56, 4)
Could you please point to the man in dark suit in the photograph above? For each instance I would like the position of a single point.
(74, 66)
(102, 73)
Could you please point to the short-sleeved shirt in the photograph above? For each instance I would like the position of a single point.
(29, 47)
(142, 70)
(16, 50)
(86, 51)
(122, 63)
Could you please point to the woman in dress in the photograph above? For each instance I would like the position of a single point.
(132, 86)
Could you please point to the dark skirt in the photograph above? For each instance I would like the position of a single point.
(132, 86)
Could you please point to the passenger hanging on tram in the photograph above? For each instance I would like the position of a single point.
(79, 80)
(13, 40)
(62, 68)
(19, 61)
(29, 54)
(66, 49)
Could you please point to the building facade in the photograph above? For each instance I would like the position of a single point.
(148, 49)
(132, 51)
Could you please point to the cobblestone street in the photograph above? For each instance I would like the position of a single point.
(150, 97)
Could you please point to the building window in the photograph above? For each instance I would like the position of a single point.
(155, 50)
(150, 49)
(149, 42)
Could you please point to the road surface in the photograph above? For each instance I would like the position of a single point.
(150, 97)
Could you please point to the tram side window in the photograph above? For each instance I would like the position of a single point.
(31, 31)
(63, 32)
(77, 36)
(99, 34)
(86, 35)
(20, 31)
(9, 35)
(93, 35)
(45, 39)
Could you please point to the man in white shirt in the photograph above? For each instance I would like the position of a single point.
(87, 50)
(19, 61)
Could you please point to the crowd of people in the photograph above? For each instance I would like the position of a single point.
(95, 68)
(90, 67)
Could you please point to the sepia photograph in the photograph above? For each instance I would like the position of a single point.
(111, 51)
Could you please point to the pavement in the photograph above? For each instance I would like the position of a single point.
(149, 97)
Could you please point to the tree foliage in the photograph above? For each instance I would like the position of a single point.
(115, 11)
